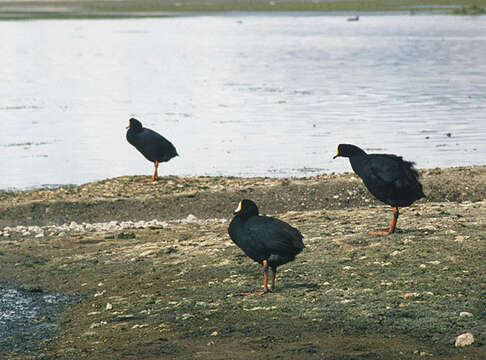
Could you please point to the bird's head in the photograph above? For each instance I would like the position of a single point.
(348, 150)
(134, 124)
(246, 208)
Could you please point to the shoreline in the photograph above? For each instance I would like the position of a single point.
(75, 9)
(169, 285)
(175, 197)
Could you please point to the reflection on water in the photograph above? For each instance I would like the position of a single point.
(26, 318)
(239, 94)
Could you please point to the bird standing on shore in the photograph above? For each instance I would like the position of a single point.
(151, 144)
(389, 178)
(266, 240)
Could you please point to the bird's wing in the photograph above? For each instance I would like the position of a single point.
(391, 179)
(385, 168)
(275, 235)
(156, 143)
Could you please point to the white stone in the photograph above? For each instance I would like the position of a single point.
(464, 340)
(465, 313)
(191, 218)
(100, 293)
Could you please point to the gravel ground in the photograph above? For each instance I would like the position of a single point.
(158, 276)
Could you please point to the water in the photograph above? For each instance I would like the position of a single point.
(238, 94)
(26, 318)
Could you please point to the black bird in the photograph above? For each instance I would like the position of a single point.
(389, 178)
(152, 145)
(266, 240)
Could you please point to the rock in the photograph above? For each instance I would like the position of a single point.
(189, 219)
(464, 340)
(187, 316)
(96, 325)
(465, 313)
(100, 293)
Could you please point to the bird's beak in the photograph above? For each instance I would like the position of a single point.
(128, 126)
(337, 154)
(238, 209)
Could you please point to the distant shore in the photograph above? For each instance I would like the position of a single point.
(24, 9)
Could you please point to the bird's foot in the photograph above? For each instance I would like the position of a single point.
(148, 181)
(381, 232)
(258, 292)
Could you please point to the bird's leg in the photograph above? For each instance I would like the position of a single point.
(392, 226)
(155, 176)
(395, 219)
(265, 275)
(265, 281)
(274, 275)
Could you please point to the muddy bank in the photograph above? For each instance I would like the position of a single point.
(172, 289)
(125, 198)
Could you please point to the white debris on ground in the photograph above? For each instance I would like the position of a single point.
(464, 340)
(74, 227)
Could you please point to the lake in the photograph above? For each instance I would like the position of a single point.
(240, 94)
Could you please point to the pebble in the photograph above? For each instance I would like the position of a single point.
(465, 313)
(464, 340)
(74, 227)
(96, 325)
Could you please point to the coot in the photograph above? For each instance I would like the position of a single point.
(151, 144)
(266, 240)
(389, 178)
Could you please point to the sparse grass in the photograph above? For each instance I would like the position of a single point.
(470, 10)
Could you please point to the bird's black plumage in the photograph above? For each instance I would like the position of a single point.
(151, 144)
(388, 177)
(264, 239)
